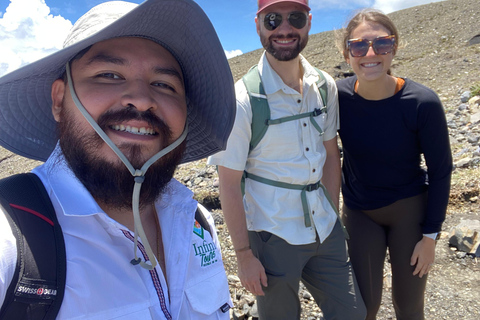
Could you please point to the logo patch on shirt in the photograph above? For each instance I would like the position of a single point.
(198, 230)
(207, 252)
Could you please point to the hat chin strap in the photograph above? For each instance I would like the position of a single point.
(138, 174)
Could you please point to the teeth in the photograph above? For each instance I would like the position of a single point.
(134, 130)
(373, 64)
(283, 41)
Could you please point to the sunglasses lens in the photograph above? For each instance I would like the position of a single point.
(358, 48)
(272, 21)
(383, 45)
(298, 20)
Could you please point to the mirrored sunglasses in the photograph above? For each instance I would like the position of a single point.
(380, 45)
(273, 20)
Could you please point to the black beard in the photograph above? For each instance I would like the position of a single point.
(111, 184)
(284, 54)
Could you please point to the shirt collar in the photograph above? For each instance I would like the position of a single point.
(75, 199)
(62, 183)
(272, 82)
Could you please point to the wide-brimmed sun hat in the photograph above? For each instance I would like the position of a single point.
(27, 126)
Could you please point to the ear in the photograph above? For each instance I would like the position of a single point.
(257, 24)
(347, 58)
(58, 92)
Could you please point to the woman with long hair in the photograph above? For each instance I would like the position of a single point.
(387, 124)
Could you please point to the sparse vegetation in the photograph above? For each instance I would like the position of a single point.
(475, 89)
(449, 69)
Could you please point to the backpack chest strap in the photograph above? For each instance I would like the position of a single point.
(316, 112)
(303, 195)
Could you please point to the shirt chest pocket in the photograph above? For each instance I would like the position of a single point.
(208, 299)
(142, 314)
(126, 313)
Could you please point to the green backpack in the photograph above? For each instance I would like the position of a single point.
(261, 110)
(260, 123)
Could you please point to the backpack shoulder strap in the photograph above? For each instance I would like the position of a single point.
(259, 103)
(38, 285)
(200, 218)
(322, 86)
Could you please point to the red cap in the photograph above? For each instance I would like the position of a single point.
(262, 4)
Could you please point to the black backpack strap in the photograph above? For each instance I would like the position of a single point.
(200, 218)
(38, 285)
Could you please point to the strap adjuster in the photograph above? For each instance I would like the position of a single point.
(316, 112)
(312, 187)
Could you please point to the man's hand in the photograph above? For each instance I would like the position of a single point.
(250, 269)
(423, 256)
(251, 272)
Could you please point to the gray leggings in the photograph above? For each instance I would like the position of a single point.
(398, 227)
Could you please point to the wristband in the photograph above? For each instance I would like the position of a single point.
(242, 249)
(434, 236)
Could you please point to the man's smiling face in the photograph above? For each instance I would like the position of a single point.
(133, 88)
(285, 42)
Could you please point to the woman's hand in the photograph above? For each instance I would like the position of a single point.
(423, 256)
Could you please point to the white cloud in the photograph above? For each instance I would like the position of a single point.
(29, 32)
(388, 6)
(233, 53)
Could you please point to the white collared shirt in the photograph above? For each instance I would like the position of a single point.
(291, 152)
(101, 282)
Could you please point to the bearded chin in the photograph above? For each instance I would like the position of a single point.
(284, 54)
(111, 184)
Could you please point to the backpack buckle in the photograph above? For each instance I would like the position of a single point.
(312, 187)
(316, 112)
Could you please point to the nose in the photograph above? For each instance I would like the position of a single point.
(370, 52)
(138, 93)
(285, 25)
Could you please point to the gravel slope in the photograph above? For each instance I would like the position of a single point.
(434, 53)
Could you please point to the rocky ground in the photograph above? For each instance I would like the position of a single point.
(436, 52)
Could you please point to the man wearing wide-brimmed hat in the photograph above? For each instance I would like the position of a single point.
(136, 90)
(285, 228)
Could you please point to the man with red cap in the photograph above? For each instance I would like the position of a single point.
(284, 227)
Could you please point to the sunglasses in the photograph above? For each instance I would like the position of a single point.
(273, 20)
(380, 45)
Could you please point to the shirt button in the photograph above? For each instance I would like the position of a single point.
(314, 170)
(307, 149)
(313, 212)
(299, 101)
(304, 124)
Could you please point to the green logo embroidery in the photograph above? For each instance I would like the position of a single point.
(206, 252)
(198, 230)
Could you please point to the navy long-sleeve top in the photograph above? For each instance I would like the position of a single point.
(382, 146)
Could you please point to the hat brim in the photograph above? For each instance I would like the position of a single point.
(271, 3)
(27, 126)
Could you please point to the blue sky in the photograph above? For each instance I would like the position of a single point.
(31, 29)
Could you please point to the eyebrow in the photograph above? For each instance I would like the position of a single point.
(169, 71)
(102, 57)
